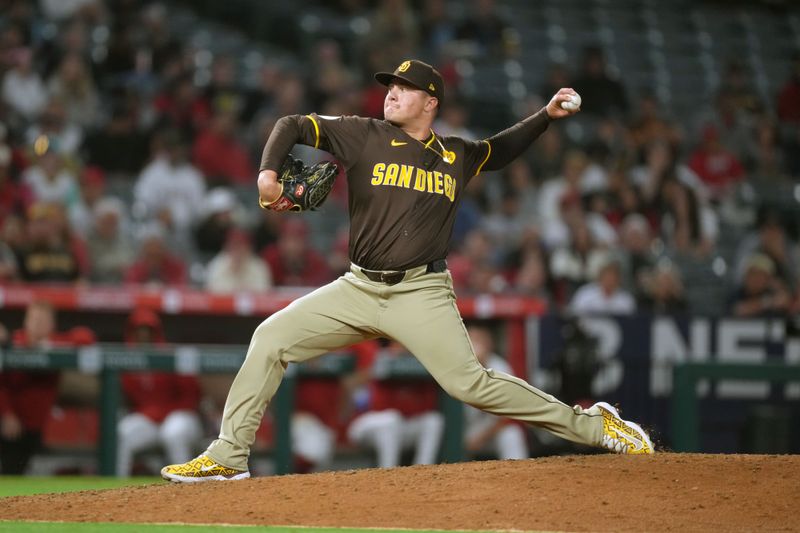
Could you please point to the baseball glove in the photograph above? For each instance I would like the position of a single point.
(303, 188)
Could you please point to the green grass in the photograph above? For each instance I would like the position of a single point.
(19, 485)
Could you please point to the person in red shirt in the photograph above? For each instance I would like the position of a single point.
(403, 414)
(292, 260)
(219, 155)
(155, 265)
(323, 409)
(717, 167)
(163, 406)
(26, 398)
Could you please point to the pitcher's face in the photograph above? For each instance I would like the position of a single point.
(404, 103)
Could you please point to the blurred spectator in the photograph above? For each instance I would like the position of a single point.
(324, 407)
(219, 212)
(169, 188)
(13, 232)
(118, 146)
(92, 189)
(14, 197)
(638, 244)
(736, 82)
(606, 294)
(46, 255)
(8, 264)
(61, 10)
(761, 293)
(437, 29)
(402, 414)
(602, 94)
(24, 91)
(49, 179)
(220, 155)
(26, 397)
(119, 63)
(155, 265)
(718, 168)
(546, 156)
(163, 48)
(663, 291)
(110, 247)
(486, 278)
(558, 76)
(661, 162)
(292, 260)
(559, 200)
(531, 278)
(222, 93)
(75, 241)
(573, 265)
(267, 228)
(486, 29)
(650, 126)
(487, 433)
(766, 160)
(476, 250)
(182, 107)
(163, 406)
(770, 238)
(52, 125)
(236, 268)
(506, 223)
(789, 96)
(453, 120)
(332, 79)
(394, 30)
(688, 224)
(732, 126)
(73, 86)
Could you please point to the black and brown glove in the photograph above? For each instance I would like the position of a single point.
(303, 188)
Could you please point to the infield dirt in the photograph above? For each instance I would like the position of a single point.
(665, 492)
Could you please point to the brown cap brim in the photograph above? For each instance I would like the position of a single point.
(385, 78)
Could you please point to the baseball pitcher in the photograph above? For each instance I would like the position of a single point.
(404, 184)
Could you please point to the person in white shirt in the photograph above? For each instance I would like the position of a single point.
(605, 295)
(169, 188)
(23, 89)
(236, 268)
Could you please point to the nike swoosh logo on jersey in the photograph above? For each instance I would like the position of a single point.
(398, 143)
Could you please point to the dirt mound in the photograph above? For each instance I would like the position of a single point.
(667, 492)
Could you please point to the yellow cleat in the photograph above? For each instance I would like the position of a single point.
(201, 468)
(621, 436)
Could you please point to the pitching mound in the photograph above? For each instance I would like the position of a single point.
(667, 492)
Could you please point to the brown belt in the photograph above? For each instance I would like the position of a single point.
(393, 277)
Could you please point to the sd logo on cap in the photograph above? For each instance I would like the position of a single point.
(417, 74)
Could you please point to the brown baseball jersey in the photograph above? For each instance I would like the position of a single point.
(403, 192)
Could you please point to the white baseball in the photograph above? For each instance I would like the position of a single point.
(573, 103)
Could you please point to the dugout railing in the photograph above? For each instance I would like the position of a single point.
(107, 361)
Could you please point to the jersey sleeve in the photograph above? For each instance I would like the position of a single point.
(344, 137)
(476, 153)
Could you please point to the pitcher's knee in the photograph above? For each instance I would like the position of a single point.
(466, 388)
(267, 343)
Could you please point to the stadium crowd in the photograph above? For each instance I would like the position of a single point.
(128, 156)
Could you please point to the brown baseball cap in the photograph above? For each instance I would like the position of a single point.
(418, 74)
